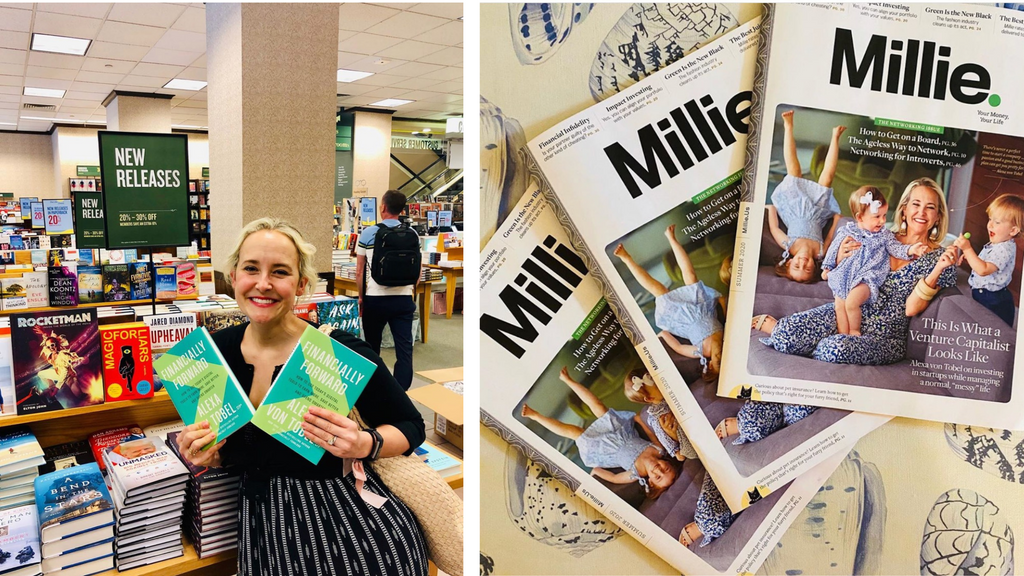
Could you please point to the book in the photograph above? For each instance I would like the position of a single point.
(116, 282)
(319, 372)
(90, 283)
(12, 294)
(19, 450)
(87, 257)
(127, 362)
(78, 556)
(63, 282)
(71, 501)
(202, 386)
(203, 477)
(341, 314)
(56, 360)
(166, 280)
(103, 439)
(942, 356)
(153, 559)
(143, 465)
(8, 396)
(61, 456)
(19, 478)
(141, 279)
(91, 567)
(164, 429)
(37, 289)
(443, 463)
(218, 319)
(187, 281)
(166, 330)
(19, 541)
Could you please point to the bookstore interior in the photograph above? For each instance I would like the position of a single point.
(114, 239)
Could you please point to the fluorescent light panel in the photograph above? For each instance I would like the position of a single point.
(352, 75)
(391, 102)
(60, 44)
(44, 92)
(37, 118)
(179, 84)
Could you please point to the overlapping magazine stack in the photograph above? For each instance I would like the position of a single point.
(618, 298)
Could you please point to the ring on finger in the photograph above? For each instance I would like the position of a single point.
(332, 440)
(192, 452)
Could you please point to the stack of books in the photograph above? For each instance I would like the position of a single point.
(19, 542)
(211, 505)
(100, 441)
(444, 464)
(76, 517)
(20, 458)
(148, 486)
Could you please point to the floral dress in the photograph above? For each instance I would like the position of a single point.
(884, 327)
(651, 415)
(757, 420)
(804, 207)
(712, 515)
(869, 265)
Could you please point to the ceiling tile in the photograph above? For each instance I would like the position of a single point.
(199, 62)
(426, 99)
(79, 104)
(159, 70)
(359, 17)
(378, 80)
(89, 10)
(8, 56)
(17, 20)
(55, 60)
(147, 81)
(449, 35)
(39, 113)
(16, 40)
(86, 96)
(190, 103)
(415, 83)
(114, 51)
(92, 87)
(448, 57)
(443, 98)
(354, 89)
(100, 77)
(51, 73)
(368, 44)
(134, 34)
(373, 64)
(346, 58)
(107, 65)
(192, 73)
(446, 73)
(451, 87)
(401, 5)
(414, 69)
(407, 25)
(97, 117)
(200, 96)
(55, 83)
(357, 101)
(183, 40)
(12, 69)
(10, 89)
(15, 98)
(72, 114)
(12, 81)
(344, 35)
(66, 25)
(386, 92)
(445, 10)
(410, 50)
(192, 20)
(162, 15)
(162, 56)
(134, 88)
(33, 126)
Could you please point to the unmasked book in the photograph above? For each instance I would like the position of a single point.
(56, 360)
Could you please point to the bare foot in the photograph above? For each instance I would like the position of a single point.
(528, 412)
(563, 375)
(620, 251)
(838, 131)
(727, 427)
(670, 232)
(854, 332)
(763, 323)
(787, 117)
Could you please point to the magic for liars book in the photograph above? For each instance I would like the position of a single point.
(320, 372)
(56, 360)
(127, 362)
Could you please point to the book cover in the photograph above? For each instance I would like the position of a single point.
(66, 499)
(19, 450)
(63, 282)
(127, 362)
(887, 332)
(56, 360)
(138, 464)
(21, 256)
(141, 281)
(54, 257)
(8, 396)
(37, 289)
(163, 429)
(342, 314)
(187, 281)
(166, 283)
(61, 456)
(19, 538)
(319, 372)
(444, 464)
(219, 319)
(201, 475)
(100, 441)
(90, 283)
(116, 281)
(202, 386)
(87, 257)
(38, 257)
(13, 295)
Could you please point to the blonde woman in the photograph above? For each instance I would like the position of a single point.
(296, 517)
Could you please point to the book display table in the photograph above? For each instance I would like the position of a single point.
(450, 276)
(423, 290)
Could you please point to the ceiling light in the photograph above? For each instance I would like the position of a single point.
(179, 84)
(391, 102)
(38, 118)
(8, 124)
(352, 75)
(426, 130)
(44, 92)
(60, 44)
(187, 126)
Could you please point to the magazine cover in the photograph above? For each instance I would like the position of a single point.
(879, 256)
(655, 221)
(56, 360)
(571, 391)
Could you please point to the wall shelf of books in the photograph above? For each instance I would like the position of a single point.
(199, 213)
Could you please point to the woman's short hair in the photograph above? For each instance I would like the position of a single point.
(305, 249)
(942, 225)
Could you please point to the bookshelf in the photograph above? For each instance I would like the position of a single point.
(199, 213)
(86, 305)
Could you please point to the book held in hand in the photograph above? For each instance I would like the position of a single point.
(320, 372)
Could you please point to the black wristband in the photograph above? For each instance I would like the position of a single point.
(378, 444)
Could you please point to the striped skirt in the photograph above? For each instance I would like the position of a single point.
(322, 527)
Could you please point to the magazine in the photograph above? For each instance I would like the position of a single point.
(562, 389)
(879, 260)
(659, 240)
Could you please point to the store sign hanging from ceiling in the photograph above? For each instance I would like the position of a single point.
(89, 222)
(417, 143)
(145, 189)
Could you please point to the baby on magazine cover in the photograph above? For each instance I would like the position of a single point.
(992, 268)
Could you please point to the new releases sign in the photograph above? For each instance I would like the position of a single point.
(89, 220)
(57, 215)
(145, 189)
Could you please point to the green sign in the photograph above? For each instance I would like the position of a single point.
(206, 171)
(342, 176)
(145, 189)
(88, 171)
(89, 220)
(345, 124)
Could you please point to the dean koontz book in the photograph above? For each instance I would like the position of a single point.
(56, 360)
(202, 386)
(63, 284)
(320, 372)
(127, 362)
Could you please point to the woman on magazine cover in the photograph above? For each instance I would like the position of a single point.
(296, 517)
(921, 216)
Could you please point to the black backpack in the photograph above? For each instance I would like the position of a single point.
(396, 256)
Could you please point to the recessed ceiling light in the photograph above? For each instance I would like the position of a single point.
(352, 75)
(179, 84)
(391, 102)
(44, 92)
(60, 44)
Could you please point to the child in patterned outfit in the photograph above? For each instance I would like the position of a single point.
(689, 311)
(711, 518)
(656, 417)
(805, 207)
(855, 281)
(992, 269)
(611, 441)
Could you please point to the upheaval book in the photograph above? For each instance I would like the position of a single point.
(319, 372)
(56, 360)
(127, 362)
(71, 501)
(19, 541)
(927, 108)
(202, 386)
(653, 217)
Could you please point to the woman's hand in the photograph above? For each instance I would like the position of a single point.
(336, 434)
(847, 247)
(191, 441)
(950, 256)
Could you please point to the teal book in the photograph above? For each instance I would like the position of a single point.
(202, 386)
(320, 372)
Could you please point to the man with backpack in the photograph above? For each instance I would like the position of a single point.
(388, 262)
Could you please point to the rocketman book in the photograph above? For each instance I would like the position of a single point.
(56, 360)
